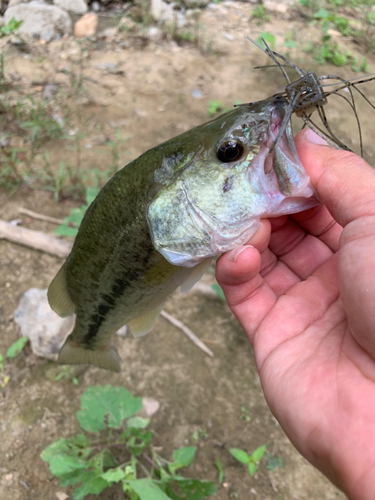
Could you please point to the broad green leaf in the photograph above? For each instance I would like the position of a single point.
(102, 460)
(240, 455)
(191, 489)
(258, 453)
(78, 476)
(17, 347)
(64, 464)
(139, 440)
(252, 468)
(113, 475)
(95, 486)
(98, 402)
(137, 422)
(147, 489)
(77, 446)
(182, 458)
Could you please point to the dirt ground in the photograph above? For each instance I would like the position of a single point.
(151, 100)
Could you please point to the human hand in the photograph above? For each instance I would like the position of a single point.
(304, 294)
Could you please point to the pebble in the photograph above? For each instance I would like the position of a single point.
(196, 93)
(86, 26)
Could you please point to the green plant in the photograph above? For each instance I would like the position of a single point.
(250, 460)
(122, 454)
(245, 415)
(220, 470)
(219, 291)
(71, 223)
(273, 462)
(67, 373)
(214, 107)
(13, 351)
(199, 434)
(11, 27)
(268, 37)
(260, 13)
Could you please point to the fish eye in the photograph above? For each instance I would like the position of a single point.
(229, 151)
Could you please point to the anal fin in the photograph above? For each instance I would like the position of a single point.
(195, 276)
(102, 358)
(145, 323)
(58, 296)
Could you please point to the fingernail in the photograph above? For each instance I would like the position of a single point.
(232, 256)
(314, 138)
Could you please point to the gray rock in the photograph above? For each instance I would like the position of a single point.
(46, 330)
(95, 6)
(40, 19)
(76, 6)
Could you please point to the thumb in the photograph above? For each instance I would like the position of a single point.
(343, 180)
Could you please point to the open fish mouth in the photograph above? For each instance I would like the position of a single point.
(215, 204)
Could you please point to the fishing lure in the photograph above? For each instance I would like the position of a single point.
(308, 94)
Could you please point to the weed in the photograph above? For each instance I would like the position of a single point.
(13, 351)
(68, 374)
(198, 434)
(219, 291)
(268, 37)
(214, 107)
(250, 460)
(71, 223)
(134, 464)
(273, 462)
(245, 415)
(260, 13)
(11, 27)
(220, 470)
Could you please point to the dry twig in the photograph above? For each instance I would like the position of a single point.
(187, 332)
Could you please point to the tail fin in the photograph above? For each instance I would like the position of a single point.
(108, 358)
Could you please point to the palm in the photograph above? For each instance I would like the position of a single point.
(311, 367)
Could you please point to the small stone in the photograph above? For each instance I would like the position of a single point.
(228, 36)
(86, 26)
(8, 477)
(196, 93)
(75, 6)
(194, 4)
(95, 6)
(60, 495)
(150, 406)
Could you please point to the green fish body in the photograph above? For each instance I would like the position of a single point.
(156, 224)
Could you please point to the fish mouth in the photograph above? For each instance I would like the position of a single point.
(278, 172)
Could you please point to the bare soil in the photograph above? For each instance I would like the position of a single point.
(150, 102)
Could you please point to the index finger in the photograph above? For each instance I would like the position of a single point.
(343, 180)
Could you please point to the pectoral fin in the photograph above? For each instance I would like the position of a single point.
(195, 276)
(102, 358)
(58, 296)
(145, 323)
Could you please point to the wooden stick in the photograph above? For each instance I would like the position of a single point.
(45, 218)
(34, 239)
(37, 216)
(187, 332)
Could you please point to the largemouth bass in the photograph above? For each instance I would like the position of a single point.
(156, 224)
